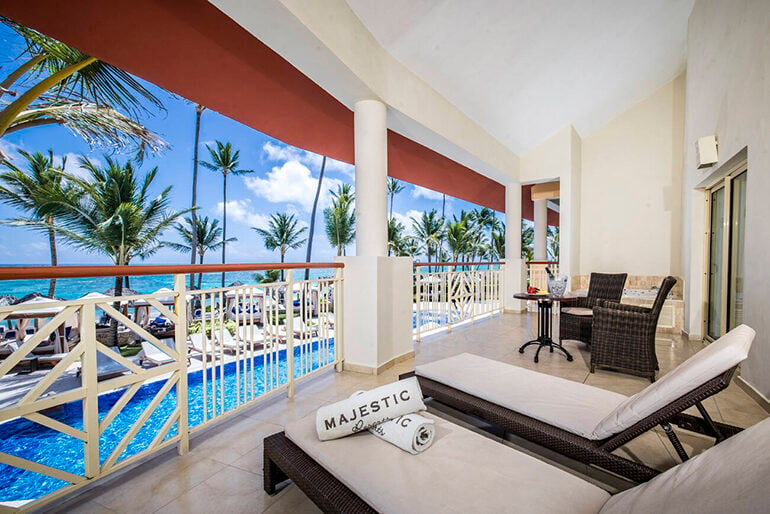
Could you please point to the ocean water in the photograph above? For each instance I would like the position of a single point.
(72, 288)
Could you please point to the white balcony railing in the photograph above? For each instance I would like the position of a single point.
(537, 275)
(446, 294)
(206, 354)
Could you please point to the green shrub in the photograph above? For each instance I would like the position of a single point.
(230, 326)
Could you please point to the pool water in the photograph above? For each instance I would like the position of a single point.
(37, 443)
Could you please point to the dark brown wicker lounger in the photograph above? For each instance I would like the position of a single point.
(284, 460)
(598, 453)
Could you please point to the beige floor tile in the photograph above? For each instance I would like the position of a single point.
(152, 484)
(292, 501)
(233, 439)
(231, 490)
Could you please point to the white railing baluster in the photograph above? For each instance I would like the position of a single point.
(90, 384)
(180, 338)
(289, 303)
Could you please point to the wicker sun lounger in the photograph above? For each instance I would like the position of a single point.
(592, 434)
(464, 471)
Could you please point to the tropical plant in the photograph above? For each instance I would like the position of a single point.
(34, 191)
(457, 238)
(429, 229)
(116, 215)
(194, 200)
(340, 218)
(224, 160)
(271, 275)
(282, 234)
(206, 237)
(309, 254)
(394, 187)
(553, 243)
(400, 244)
(58, 84)
(498, 244)
(487, 219)
(527, 240)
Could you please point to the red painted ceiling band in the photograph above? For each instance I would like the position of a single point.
(191, 48)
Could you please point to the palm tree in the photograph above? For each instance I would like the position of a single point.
(67, 87)
(33, 192)
(394, 187)
(115, 215)
(498, 243)
(553, 243)
(282, 234)
(224, 160)
(312, 218)
(194, 200)
(271, 275)
(486, 218)
(527, 241)
(207, 236)
(340, 218)
(429, 229)
(395, 237)
(457, 238)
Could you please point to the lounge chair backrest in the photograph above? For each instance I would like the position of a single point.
(199, 341)
(729, 477)
(605, 286)
(726, 352)
(106, 365)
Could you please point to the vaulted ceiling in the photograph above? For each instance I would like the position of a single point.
(524, 69)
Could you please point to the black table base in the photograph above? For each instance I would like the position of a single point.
(544, 331)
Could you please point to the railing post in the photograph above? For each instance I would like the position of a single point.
(339, 320)
(473, 295)
(417, 277)
(91, 386)
(500, 287)
(450, 276)
(290, 330)
(180, 337)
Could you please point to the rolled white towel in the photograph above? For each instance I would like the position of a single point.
(411, 432)
(370, 408)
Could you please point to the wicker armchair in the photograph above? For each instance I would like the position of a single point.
(624, 335)
(577, 317)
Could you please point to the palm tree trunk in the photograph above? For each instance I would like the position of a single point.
(224, 223)
(54, 256)
(113, 339)
(390, 214)
(312, 219)
(200, 275)
(194, 244)
(282, 271)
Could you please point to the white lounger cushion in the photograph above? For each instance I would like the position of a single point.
(730, 477)
(578, 311)
(462, 472)
(569, 405)
(724, 353)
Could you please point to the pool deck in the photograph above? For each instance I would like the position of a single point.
(223, 471)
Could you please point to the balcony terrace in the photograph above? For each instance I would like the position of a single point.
(224, 467)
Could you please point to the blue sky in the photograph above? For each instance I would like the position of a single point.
(285, 180)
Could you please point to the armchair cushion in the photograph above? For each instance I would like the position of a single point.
(578, 311)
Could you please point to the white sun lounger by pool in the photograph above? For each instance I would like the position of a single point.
(199, 343)
(107, 367)
(154, 355)
(227, 341)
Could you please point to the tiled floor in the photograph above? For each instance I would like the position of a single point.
(223, 471)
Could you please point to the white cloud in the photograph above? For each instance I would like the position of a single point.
(292, 183)
(426, 193)
(240, 211)
(281, 152)
(406, 219)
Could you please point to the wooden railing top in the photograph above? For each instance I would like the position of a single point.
(46, 272)
(443, 264)
(542, 262)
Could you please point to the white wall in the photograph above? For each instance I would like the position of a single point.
(631, 188)
(728, 94)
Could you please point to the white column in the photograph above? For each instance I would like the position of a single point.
(371, 155)
(541, 229)
(515, 276)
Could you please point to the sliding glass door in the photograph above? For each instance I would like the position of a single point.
(727, 218)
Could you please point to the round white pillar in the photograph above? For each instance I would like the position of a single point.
(371, 155)
(541, 229)
(513, 221)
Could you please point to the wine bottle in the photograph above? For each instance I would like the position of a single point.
(550, 275)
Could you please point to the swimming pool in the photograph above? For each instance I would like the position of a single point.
(37, 443)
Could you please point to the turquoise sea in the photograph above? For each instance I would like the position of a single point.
(72, 288)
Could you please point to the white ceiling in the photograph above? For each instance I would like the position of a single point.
(523, 69)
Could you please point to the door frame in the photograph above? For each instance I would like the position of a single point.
(725, 181)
